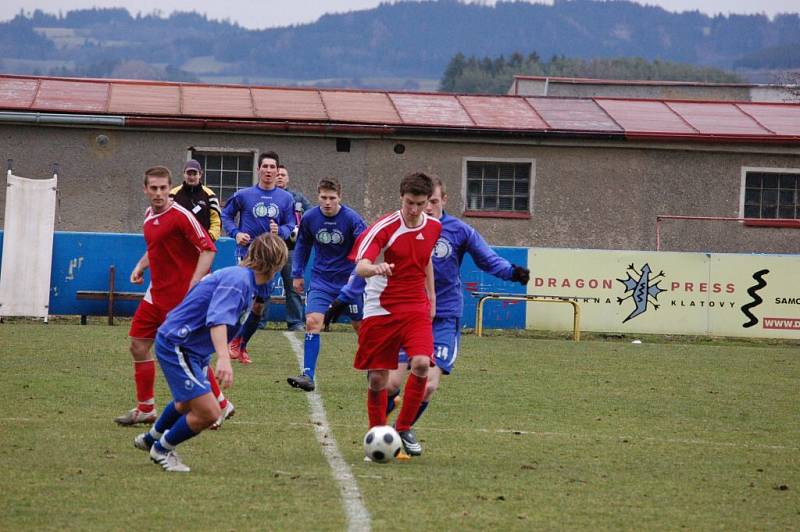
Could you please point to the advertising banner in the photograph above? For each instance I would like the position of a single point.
(668, 293)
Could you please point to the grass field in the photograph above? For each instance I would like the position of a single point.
(526, 434)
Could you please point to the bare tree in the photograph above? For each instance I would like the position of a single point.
(790, 80)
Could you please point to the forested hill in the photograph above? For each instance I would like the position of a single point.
(403, 39)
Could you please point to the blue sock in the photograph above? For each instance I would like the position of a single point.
(390, 404)
(422, 406)
(248, 328)
(310, 354)
(179, 433)
(164, 422)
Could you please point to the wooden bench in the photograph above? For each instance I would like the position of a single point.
(111, 296)
(483, 297)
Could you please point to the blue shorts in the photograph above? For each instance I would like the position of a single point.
(318, 300)
(186, 372)
(446, 336)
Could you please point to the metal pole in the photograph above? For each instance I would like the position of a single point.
(658, 233)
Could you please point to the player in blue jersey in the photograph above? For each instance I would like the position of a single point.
(456, 239)
(331, 230)
(262, 208)
(199, 326)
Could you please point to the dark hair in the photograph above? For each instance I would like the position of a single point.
(269, 155)
(417, 184)
(437, 182)
(329, 183)
(157, 171)
(281, 166)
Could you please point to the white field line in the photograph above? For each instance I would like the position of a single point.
(358, 518)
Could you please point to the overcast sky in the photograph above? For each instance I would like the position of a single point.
(263, 14)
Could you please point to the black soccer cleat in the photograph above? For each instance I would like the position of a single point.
(410, 443)
(304, 382)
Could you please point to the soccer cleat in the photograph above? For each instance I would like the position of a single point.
(402, 456)
(140, 442)
(410, 443)
(304, 382)
(170, 461)
(238, 352)
(297, 327)
(227, 413)
(135, 416)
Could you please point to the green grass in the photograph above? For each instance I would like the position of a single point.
(528, 433)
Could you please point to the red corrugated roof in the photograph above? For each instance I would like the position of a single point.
(160, 104)
(717, 118)
(289, 104)
(145, 99)
(441, 110)
(781, 119)
(574, 114)
(17, 93)
(365, 107)
(641, 116)
(501, 112)
(72, 96)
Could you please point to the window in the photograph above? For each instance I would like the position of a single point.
(225, 172)
(771, 194)
(498, 188)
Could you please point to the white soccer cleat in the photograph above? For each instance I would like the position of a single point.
(135, 416)
(140, 442)
(170, 461)
(227, 413)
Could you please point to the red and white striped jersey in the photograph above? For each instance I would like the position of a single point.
(409, 248)
(174, 241)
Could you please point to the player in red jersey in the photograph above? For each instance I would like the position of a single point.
(179, 253)
(400, 303)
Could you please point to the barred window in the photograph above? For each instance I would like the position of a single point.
(498, 186)
(225, 172)
(771, 194)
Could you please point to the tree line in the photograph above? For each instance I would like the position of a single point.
(494, 75)
(412, 40)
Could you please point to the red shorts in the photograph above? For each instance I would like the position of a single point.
(381, 337)
(146, 321)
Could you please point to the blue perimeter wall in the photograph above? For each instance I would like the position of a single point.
(81, 261)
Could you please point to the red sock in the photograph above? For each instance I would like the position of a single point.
(412, 397)
(223, 402)
(376, 407)
(144, 374)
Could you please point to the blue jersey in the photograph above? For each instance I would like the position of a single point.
(332, 238)
(456, 239)
(256, 207)
(353, 291)
(219, 299)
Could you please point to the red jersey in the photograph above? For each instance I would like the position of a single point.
(174, 241)
(410, 249)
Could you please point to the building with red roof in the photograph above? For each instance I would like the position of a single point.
(526, 170)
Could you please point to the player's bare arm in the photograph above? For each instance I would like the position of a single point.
(137, 275)
(203, 266)
(365, 268)
(224, 371)
(430, 287)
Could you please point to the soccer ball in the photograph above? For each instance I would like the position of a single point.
(382, 443)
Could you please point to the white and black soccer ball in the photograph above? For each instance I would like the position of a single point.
(382, 443)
